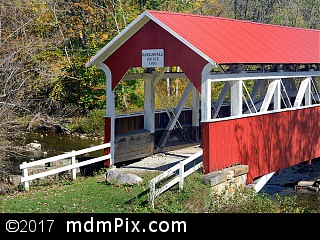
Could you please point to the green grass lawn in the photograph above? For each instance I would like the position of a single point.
(95, 195)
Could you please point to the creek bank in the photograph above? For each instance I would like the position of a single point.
(43, 137)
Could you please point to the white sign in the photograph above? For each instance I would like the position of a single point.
(153, 58)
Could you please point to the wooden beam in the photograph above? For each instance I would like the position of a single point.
(133, 76)
(176, 114)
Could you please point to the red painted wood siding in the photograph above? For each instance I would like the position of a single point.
(152, 36)
(266, 143)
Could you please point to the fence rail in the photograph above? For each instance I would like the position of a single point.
(179, 178)
(73, 166)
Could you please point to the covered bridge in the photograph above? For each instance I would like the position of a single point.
(267, 111)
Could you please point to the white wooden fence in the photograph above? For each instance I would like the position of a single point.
(179, 178)
(73, 164)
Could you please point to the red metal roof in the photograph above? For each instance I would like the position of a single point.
(227, 41)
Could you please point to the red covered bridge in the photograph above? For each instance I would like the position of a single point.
(274, 126)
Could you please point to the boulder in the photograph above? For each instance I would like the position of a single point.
(117, 178)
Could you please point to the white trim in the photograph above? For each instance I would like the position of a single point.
(262, 75)
(303, 93)
(277, 95)
(262, 181)
(206, 93)
(218, 104)
(271, 92)
(129, 31)
(183, 40)
(117, 41)
(149, 108)
(110, 111)
(236, 93)
(259, 114)
(110, 105)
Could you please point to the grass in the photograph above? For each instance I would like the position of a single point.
(94, 195)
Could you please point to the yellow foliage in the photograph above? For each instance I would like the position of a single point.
(90, 10)
(104, 36)
(80, 33)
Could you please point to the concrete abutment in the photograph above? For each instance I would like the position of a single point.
(227, 180)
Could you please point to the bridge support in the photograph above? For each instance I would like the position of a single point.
(227, 180)
(109, 127)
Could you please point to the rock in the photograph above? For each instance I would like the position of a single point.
(305, 183)
(312, 188)
(114, 177)
(34, 145)
(310, 185)
(316, 184)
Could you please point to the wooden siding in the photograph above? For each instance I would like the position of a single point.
(133, 142)
(152, 36)
(266, 143)
(133, 145)
(129, 123)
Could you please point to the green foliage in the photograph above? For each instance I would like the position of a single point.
(84, 87)
(93, 123)
(129, 95)
(290, 204)
(46, 44)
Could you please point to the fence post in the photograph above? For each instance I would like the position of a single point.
(25, 174)
(152, 192)
(73, 170)
(181, 174)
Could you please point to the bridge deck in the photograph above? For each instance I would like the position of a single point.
(163, 160)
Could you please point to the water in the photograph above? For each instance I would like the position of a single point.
(52, 144)
(283, 183)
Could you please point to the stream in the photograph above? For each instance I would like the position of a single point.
(51, 144)
(283, 183)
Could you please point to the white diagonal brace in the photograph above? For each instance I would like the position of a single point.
(269, 95)
(222, 96)
(304, 92)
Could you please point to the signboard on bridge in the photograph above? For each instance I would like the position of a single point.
(153, 58)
